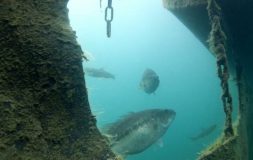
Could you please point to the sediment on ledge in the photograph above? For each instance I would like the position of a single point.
(44, 106)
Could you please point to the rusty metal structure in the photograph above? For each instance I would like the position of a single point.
(225, 28)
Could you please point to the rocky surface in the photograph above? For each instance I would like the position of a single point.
(44, 108)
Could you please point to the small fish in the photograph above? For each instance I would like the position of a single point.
(135, 132)
(150, 81)
(205, 132)
(98, 73)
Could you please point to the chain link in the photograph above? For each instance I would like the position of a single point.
(226, 97)
(217, 41)
(108, 19)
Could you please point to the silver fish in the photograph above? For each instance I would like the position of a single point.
(205, 132)
(150, 81)
(137, 131)
(98, 73)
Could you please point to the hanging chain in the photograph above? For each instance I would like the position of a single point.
(108, 19)
(217, 42)
(226, 96)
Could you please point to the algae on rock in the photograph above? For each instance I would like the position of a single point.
(44, 106)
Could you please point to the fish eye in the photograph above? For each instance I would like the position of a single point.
(166, 112)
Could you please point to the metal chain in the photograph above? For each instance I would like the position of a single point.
(108, 19)
(217, 42)
(226, 96)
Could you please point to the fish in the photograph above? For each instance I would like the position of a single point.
(98, 73)
(150, 81)
(137, 131)
(205, 132)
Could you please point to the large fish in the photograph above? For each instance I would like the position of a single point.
(150, 81)
(205, 132)
(137, 131)
(98, 73)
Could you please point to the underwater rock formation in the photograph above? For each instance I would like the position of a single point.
(44, 106)
(226, 29)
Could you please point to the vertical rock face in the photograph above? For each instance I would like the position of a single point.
(232, 18)
(44, 110)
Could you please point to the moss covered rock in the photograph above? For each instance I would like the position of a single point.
(44, 106)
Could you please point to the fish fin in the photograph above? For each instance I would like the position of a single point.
(126, 115)
(88, 56)
(110, 138)
(142, 86)
(113, 77)
(106, 127)
(85, 57)
(160, 143)
(98, 113)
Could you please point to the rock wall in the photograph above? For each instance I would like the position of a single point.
(44, 109)
(229, 31)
